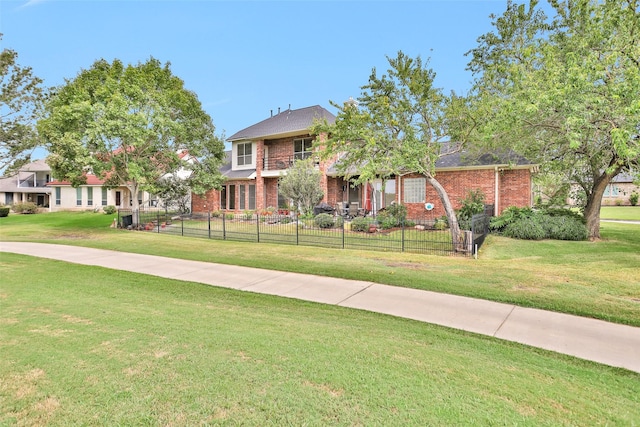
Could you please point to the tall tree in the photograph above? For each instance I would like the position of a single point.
(397, 126)
(128, 125)
(301, 184)
(564, 90)
(21, 95)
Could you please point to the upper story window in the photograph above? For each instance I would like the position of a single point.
(302, 148)
(244, 154)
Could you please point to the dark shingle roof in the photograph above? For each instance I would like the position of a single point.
(227, 172)
(288, 121)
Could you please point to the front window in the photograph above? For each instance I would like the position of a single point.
(242, 197)
(252, 196)
(89, 196)
(58, 201)
(302, 148)
(78, 196)
(415, 190)
(244, 154)
(104, 196)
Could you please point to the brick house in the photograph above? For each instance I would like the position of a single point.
(262, 152)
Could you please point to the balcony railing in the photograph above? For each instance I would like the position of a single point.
(29, 182)
(283, 162)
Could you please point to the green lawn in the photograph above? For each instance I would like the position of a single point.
(595, 279)
(83, 345)
(620, 213)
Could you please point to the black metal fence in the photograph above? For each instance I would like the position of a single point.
(417, 235)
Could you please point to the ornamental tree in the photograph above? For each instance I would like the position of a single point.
(564, 90)
(21, 95)
(301, 184)
(129, 125)
(397, 126)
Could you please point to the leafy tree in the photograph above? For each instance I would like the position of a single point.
(21, 95)
(397, 126)
(564, 90)
(301, 184)
(127, 125)
(175, 193)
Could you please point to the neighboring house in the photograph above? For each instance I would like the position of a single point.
(263, 152)
(619, 190)
(27, 185)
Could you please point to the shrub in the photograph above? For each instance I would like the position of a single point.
(526, 228)
(392, 216)
(471, 205)
(441, 224)
(4, 211)
(510, 215)
(216, 214)
(324, 220)
(229, 216)
(109, 210)
(360, 224)
(559, 212)
(564, 228)
(25, 208)
(618, 202)
(633, 198)
(247, 215)
(339, 222)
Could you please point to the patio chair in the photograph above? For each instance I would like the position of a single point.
(340, 210)
(354, 207)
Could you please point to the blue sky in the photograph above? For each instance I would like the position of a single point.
(246, 58)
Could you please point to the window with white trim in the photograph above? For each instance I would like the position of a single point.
(89, 196)
(79, 196)
(244, 151)
(302, 148)
(415, 190)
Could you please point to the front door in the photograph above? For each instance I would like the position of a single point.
(118, 198)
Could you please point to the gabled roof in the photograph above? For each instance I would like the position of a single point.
(36, 166)
(91, 180)
(285, 123)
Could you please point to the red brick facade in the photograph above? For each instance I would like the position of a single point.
(502, 187)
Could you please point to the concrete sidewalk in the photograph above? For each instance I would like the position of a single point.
(596, 340)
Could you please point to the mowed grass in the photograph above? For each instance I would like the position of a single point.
(593, 279)
(626, 213)
(84, 345)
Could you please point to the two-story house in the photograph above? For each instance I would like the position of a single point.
(29, 184)
(263, 152)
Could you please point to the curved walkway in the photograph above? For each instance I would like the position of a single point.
(590, 339)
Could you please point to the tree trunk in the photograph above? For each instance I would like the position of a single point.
(594, 202)
(135, 205)
(456, 236)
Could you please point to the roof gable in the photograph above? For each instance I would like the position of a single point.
(286, 122)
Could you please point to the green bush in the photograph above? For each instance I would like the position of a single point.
(324, 220)
(526, 228)
(109, 210)
(216, 214)
(25, 208)
(247, 215)
(4, 211)
(510, 215)
(525, 223)
(230, 216)
(393, 215)
(339, 222)
(564, 228)
(471, 205)
(360, 224)
(633, 198)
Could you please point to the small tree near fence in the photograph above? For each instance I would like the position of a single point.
(301, 184)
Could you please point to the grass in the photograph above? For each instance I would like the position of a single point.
(84, 345)
(626, 213)
(592, 279)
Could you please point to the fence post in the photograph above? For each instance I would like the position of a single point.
(158, 221)
(224, 225)
(297, 228)
(182, 224)
(402, 236)
(343, 242)
(258, 225)
(209, 222)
